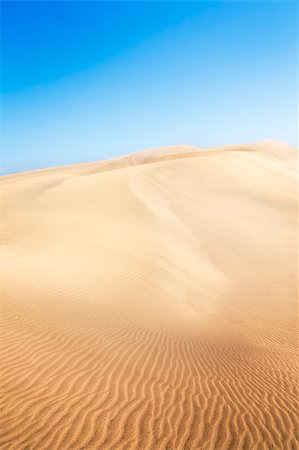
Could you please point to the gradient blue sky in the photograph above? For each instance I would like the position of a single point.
(84, 81)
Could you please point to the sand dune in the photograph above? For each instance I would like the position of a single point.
(149, 302)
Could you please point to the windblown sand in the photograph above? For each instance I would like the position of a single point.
(149, 302)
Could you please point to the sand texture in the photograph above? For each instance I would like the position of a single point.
(149, 302)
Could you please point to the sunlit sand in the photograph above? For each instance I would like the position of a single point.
(149, 302)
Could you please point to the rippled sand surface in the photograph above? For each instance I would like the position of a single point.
(149, 302)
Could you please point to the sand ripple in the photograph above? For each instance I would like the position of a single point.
(150, 303)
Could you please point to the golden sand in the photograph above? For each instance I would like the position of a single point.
(149, 302)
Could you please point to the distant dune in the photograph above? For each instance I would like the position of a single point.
(149, 302)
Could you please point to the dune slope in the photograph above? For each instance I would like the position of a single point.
(149, 302)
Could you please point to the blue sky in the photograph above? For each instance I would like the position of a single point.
(83, 81)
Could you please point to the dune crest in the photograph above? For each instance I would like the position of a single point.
(149, 302)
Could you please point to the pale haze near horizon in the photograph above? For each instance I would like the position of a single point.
(207, 74)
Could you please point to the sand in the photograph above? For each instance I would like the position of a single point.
(149, 302)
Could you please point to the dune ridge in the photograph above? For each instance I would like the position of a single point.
(150, 302)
